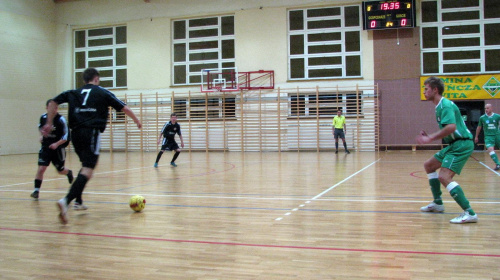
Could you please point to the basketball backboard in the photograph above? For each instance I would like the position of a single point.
(229, 79)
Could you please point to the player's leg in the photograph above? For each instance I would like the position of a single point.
(490, 142)
(174, 147)
(336, 136)
(430, 166)
(86, 142)
(345, 144)
(38, 181)
(164, 147)
(158, 157)
(85, 174)
(59, 163)
(453, 163)
(43, 163)
(497, 145)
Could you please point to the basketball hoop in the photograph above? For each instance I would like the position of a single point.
(219, 80)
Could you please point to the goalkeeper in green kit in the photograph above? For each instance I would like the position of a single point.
(490, 123)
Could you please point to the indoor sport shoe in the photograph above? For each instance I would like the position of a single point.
(433, 207)
(62, 205)
(173, 164)
(79, 206)
(34, 195)
(156, 164)
(347, 152)
(497, 167)
(465, 217)
(336, 152)
(70, 176)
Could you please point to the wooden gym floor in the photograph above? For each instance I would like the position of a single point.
(250, 216)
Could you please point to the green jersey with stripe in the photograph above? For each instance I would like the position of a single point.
(448, 113)
(489, 124)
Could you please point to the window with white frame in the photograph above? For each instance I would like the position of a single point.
(324, 43)
(104, 49)
(324, 104)
(214, 107)
(201, 43)
(460, 37)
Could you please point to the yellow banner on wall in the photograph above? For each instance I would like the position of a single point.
(468, 87)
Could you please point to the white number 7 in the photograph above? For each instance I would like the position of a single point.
(87, 92)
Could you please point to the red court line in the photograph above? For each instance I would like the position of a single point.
(249, 244)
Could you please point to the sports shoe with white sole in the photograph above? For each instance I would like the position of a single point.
(465, 217)
(433, 207)
(62, 205)
(79, 206)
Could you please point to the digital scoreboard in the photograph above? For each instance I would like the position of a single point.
(388, 14)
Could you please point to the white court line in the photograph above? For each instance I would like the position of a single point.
(352, 175)
(498, 174)
(64, 178)
(334, 186)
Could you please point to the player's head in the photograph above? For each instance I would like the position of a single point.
(435, 83)
(47, 103)
(339, 112)
(90, 74)
(488, 109)
(173, 117)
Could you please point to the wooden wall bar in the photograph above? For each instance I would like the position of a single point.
(283, 119)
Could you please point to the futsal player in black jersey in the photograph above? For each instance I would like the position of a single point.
(52, 150)
(168, 133)
(88, 114)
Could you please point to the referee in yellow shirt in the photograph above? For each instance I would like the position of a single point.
(338, 128)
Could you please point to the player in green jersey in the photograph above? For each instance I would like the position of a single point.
(452, 158)
(490, 122)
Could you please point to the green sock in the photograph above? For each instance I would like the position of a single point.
(436, 191)
(458, 195)
(494, 157)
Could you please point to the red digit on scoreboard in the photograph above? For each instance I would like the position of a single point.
(403, 22)
(373, 24)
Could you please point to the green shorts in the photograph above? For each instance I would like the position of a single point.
(455, 155)
(492, 141)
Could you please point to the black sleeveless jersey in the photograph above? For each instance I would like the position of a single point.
(88, 106)
(59, 131)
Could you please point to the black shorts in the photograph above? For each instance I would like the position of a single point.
(57, 157)
(338, 133)
(87, 142)
(169, 145)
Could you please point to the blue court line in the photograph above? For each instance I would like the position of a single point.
(262, 208)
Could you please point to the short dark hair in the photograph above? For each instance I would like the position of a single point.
(89, 74)
(435, 82)
(47, 103)
(173, 114)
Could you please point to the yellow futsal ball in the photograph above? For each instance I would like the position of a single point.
(137, 203)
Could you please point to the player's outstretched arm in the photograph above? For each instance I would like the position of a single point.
(131, 114)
